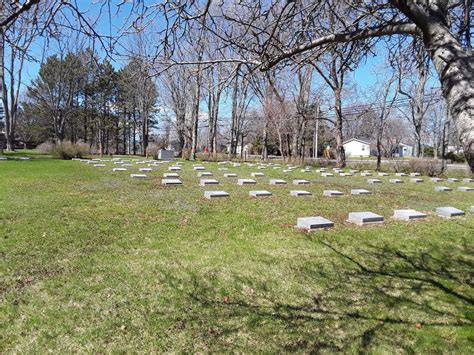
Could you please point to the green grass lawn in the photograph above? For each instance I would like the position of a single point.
(93, 261)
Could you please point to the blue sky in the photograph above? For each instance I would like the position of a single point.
(370, 70)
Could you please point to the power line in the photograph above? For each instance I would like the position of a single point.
(356, 110)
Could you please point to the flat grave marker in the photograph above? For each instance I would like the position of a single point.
(360, 192)
(442, 189)
(313, 223)
(396, 181)
(204, 173)
(259, 193)
(168, 182)
(408, 215)
(170, 175)
(204, 182)
(374, 181)
(331, 193)
(215, 194)
(277, 182)
(300, 193)
(300, 182)
(465, 188)
(138, 176)
(246, 182)
(228, 175)
(363, 218)
(449, 212)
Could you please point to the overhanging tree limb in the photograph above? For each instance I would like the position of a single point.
(20, 9)
(379, 31)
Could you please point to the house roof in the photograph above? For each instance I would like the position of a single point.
(357, 140)
(405, 145)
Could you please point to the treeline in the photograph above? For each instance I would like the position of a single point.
(78, 98)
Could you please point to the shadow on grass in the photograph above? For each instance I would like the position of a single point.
(373, 297)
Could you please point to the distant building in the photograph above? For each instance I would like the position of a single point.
(455, 149)
(356, 148)
(246, 149)
(402, 150)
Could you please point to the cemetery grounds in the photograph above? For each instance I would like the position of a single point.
(94, 261)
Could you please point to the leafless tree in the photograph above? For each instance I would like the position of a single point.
(15, 41)
(270, 35)
(384, 112)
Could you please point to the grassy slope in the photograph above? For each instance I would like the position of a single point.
(95, 261)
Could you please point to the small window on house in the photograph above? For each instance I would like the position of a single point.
(363, 147)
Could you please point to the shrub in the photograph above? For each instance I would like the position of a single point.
(152, 150)
(456, 157)
(45, 147)
(424, 166)
(67, 150)
(402, 166)
(428, 151)
(361, 166)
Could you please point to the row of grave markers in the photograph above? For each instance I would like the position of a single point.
(306, 223)
(173, 178)
(366, 217)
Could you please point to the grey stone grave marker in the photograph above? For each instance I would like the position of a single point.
(313, 223)
(259, 193)
(363, 218)
(449, 211)
(408, 215)
(300, 193)
(215, 194)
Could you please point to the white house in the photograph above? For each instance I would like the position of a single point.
(356, 148)
(403, 150)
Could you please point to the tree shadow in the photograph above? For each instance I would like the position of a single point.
(371, 296)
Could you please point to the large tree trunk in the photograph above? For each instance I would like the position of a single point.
(419, 104)
(340, 154)
(195, 115)
(145, 131)
(455, 68)
(180, 128)
(265, 139)
(4, 93)
(235, 116)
